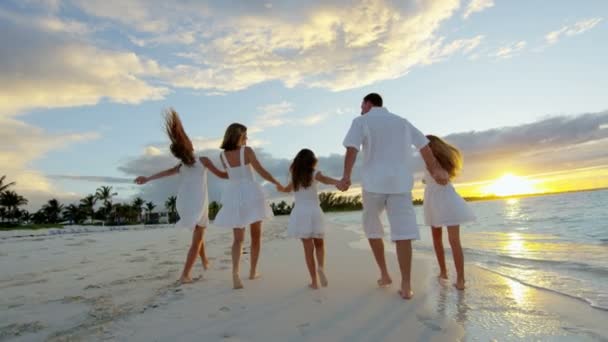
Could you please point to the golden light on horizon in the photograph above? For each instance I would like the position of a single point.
(510, 184)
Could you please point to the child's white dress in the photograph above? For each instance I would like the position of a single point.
(443, 206)
(306, 219)
(192, 200)
(243, 200)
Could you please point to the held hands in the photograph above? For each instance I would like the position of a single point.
(280, 188)
(343, 184)
(141, 180)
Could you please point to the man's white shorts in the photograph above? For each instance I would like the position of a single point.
(400, 213)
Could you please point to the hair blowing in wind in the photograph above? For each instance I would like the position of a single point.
(181, 146)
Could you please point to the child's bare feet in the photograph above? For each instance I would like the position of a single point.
(385, 281)
(236, 281)
(322, 277)
(459, 284)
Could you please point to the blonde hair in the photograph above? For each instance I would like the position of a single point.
(448, 156)
(233, 135)
(181, 146)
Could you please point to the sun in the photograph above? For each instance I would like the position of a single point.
(509, 185)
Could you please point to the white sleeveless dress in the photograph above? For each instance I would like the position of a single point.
(243, 200)
(192, 200)
(307, 219)
(443, 206)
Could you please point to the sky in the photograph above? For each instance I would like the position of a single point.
(519, 86)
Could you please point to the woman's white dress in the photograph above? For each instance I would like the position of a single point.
(307, 219)
(192, 200)
(443, 206)
(243, 200)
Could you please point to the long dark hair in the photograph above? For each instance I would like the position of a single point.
(181, 146)
(448, 156)
(233, 135)
(302, 169)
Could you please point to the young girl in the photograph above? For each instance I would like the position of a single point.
(243, 200)
(192, 203)
(444, 207)
(306, 221)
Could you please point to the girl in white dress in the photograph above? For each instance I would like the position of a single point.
(306, 221)
(444, 207)
(243, 200)
(192, 202)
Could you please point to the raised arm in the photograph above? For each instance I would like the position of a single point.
(166, 173)
(326, 180)
(217, 172)
(250, 155)
(440, 175)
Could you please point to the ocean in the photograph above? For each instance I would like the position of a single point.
(557, 243)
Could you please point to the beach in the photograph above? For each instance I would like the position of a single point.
(120, 285)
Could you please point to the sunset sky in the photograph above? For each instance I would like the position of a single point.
(520, 86)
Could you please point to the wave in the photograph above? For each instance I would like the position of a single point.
(73, 230)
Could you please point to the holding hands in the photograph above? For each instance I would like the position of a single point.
(141, 180)
(344, 184)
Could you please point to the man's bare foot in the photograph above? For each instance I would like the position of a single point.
(385, 281)
(322, 277)
(236, 282)
(459, 284)
(406, 294)
(314, 285)
(254, 276)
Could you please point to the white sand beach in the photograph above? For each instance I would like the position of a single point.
(121, 286)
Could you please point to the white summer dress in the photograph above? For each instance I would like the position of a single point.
(443, 206)
(306, 219)
(192, 200)
(243, 200)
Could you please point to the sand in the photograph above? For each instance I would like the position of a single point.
(121, 286)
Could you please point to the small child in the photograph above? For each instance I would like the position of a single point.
(192, 201)
(444, 207)
(306, 221)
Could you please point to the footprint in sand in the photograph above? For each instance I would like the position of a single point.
(138, 259)
(141, 249)
(225, 261)
(303, 328)
(18, 329)
(92, 286)
(225, 309)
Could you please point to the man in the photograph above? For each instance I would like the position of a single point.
(387, 181)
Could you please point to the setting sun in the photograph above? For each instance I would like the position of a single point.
(510, 184)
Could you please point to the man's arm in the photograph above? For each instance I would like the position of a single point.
(349, 163)
(440, 175)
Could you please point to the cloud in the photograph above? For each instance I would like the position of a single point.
(572, 30)
(510, 50)
(475, 6)
(21, 145)
(73, 73)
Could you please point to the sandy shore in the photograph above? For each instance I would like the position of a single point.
(120, 285)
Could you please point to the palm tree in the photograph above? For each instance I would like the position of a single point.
(3, 214)
(74, 213)
(105, 194)
(12, 201)
(171, 206)
(52, 209)
(88, 204)
(214, 208)
(25, 216)
(3, 186)
(149, 208)
(137, 204)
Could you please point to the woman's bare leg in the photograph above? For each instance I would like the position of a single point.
(193, 252)
(454, 238)
(439, 252)
(256, 244)
(237, 249)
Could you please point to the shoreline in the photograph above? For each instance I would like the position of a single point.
(122, 287)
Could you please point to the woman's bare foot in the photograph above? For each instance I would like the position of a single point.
(314, 285)
(254, 276)
(236, 281)
(322, 277)
(185, 280)
(385, 281)
(443, 276)
(406, 293)
(459, 284)
(206, 265)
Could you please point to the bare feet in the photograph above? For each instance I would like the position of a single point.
(322, 277)
(236, 281)
(385, 281)
(459, 284)
(314, 285)
(406, 294)
(185, 280)
(206, 264)
(254, 276)
(443, 276)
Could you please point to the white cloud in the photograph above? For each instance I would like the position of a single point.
(510, 50)
(572, 30)
(475, 6)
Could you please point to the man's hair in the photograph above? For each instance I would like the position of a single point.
(374, 98)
